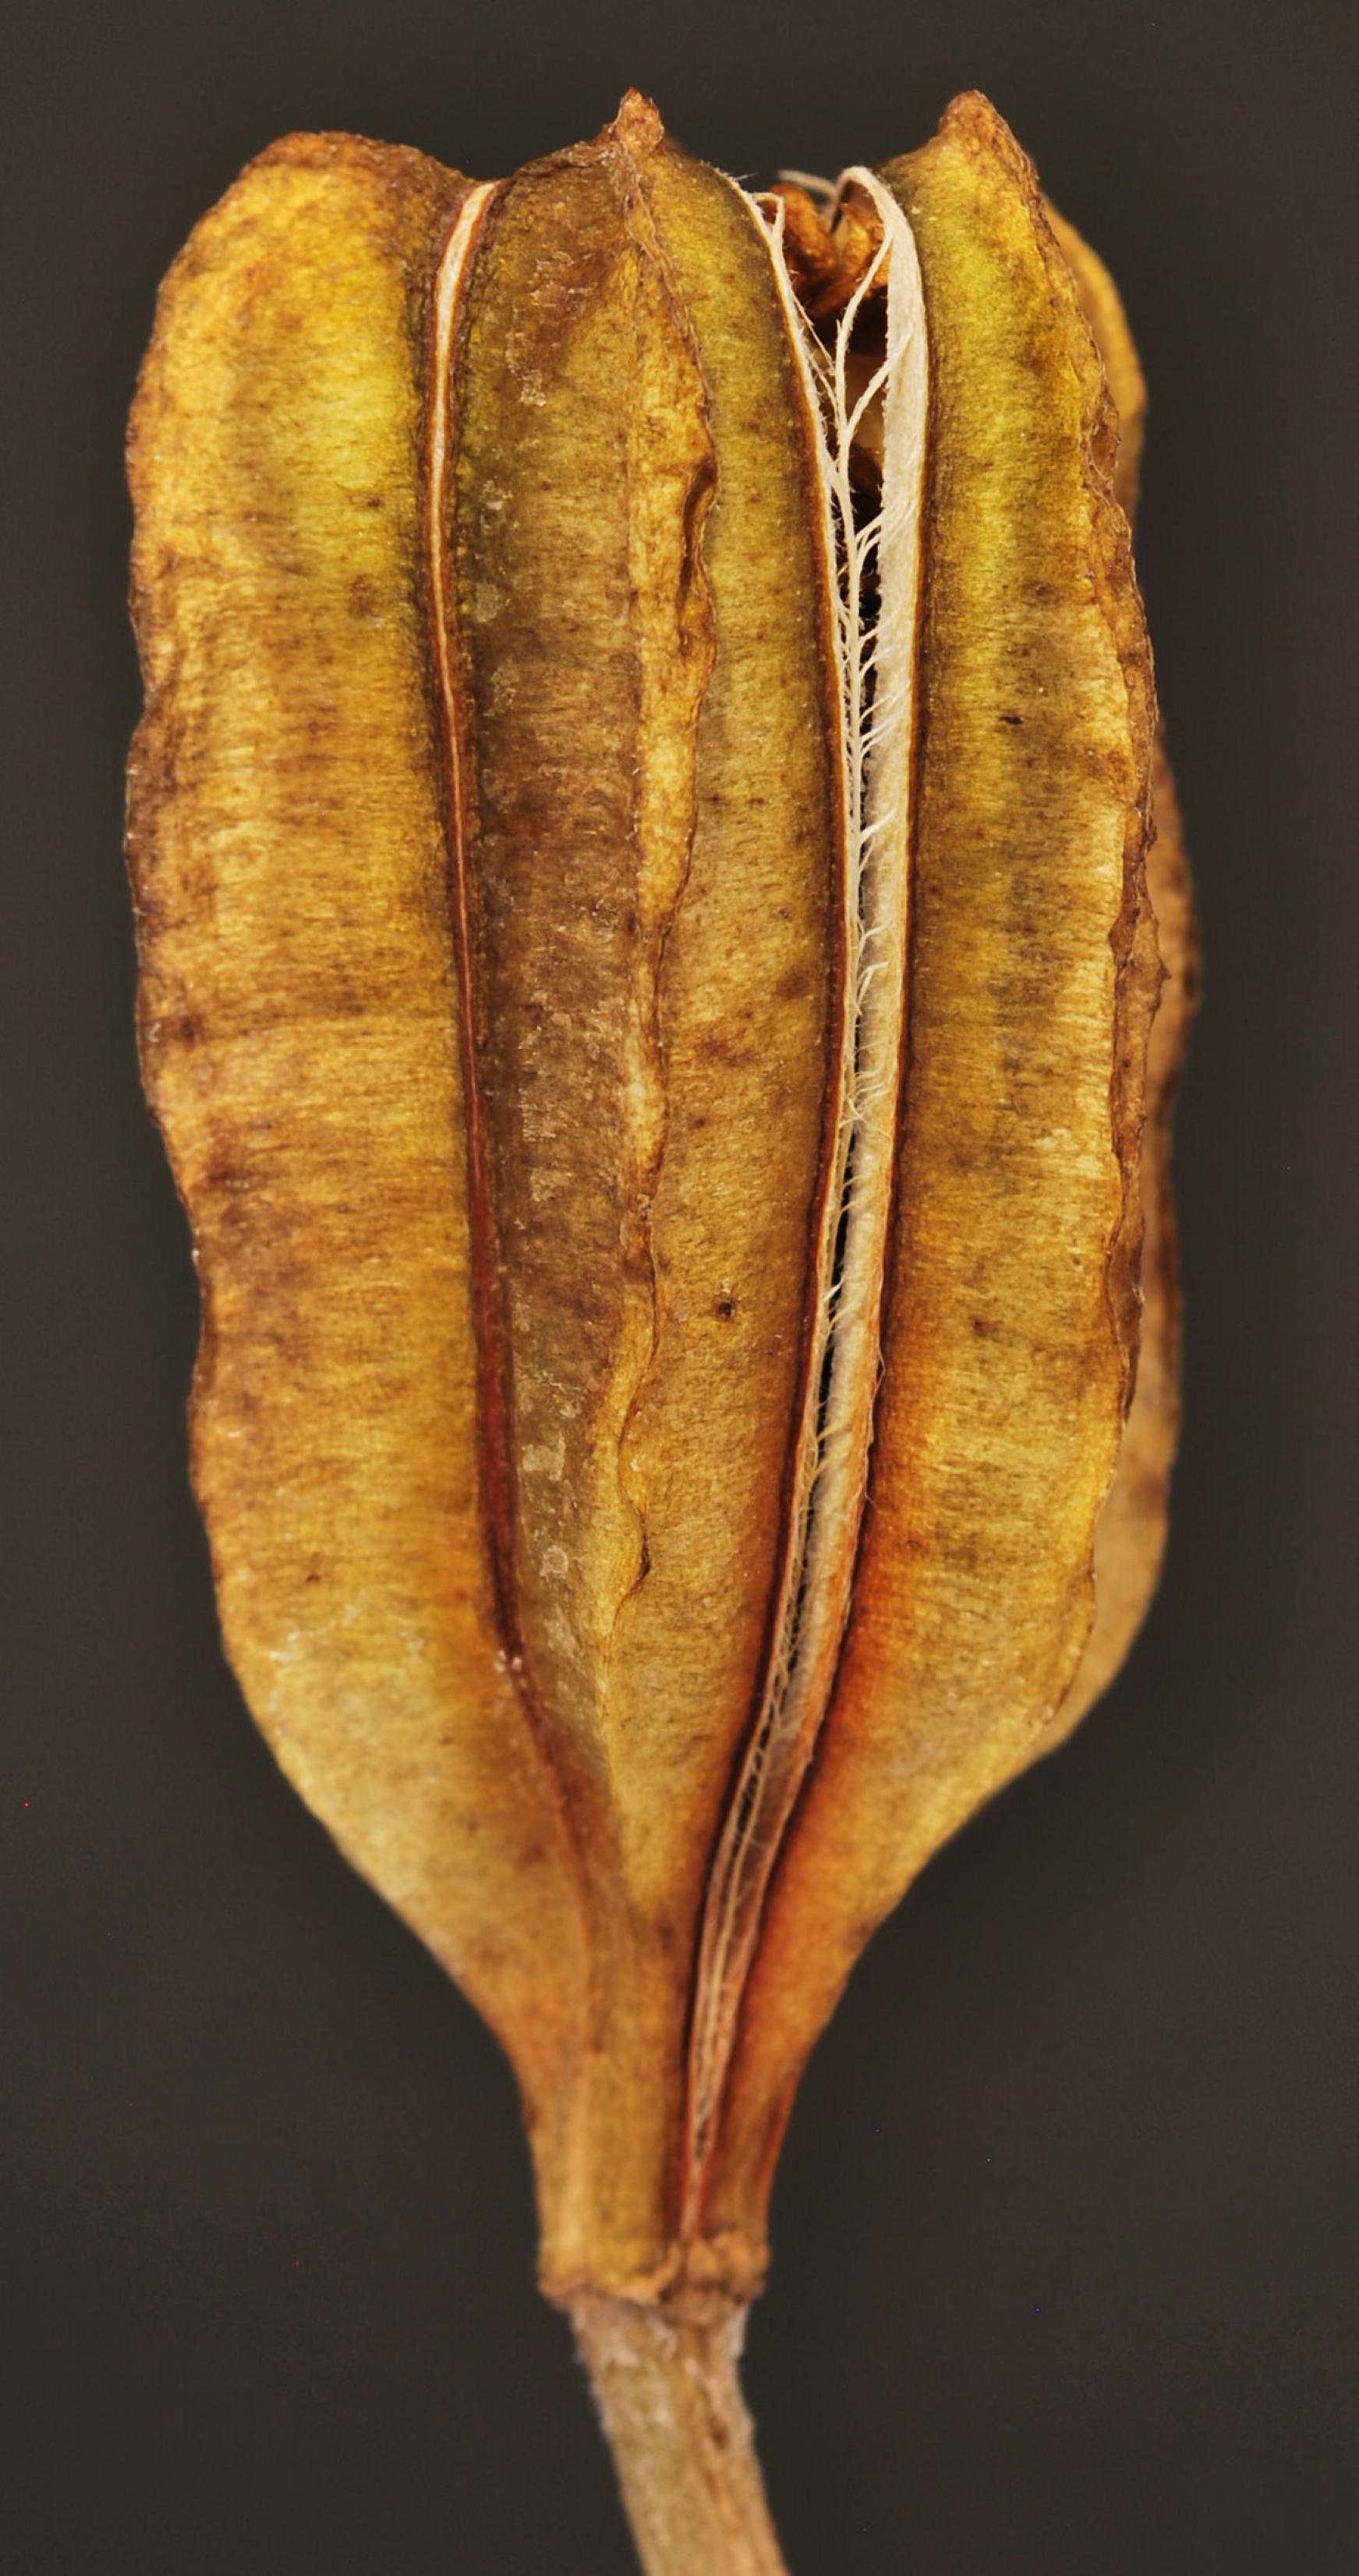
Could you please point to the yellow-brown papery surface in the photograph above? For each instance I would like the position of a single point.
(497, 826)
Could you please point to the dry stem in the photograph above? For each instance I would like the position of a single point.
(668, 2392)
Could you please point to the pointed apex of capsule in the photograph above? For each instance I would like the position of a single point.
(637, 125)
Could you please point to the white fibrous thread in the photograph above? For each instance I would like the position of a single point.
(873, 574)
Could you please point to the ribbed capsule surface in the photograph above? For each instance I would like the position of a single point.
(639, 836)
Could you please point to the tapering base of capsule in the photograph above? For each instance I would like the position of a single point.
(667, 2389)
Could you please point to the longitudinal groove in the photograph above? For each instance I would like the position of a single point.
(450, 283)
(674, 642)
(876, 652)
(450, 286)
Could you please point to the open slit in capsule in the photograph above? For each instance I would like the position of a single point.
(850, 282)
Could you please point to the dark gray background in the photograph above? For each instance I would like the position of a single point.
(1066, 2264)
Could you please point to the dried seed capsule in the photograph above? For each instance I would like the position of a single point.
(639, 838)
